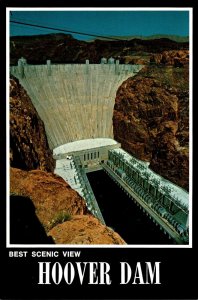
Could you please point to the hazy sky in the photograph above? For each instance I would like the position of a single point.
(119, 23)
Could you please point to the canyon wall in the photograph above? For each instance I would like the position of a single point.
(29, 147)
(151, 119)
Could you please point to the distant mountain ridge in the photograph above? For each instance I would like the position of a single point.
(175, 38)
(64, 48)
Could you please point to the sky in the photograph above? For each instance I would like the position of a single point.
(106, 23)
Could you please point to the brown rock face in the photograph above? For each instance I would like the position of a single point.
(137, 59)
(49, 193)
(28, 143)
(61, 210)
(151, 120)
(176, 58)
(84, 230)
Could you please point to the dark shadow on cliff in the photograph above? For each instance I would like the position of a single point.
(25, 227)
(18, 159)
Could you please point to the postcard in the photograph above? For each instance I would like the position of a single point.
(99, 152)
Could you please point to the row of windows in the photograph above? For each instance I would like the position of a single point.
(92, 155)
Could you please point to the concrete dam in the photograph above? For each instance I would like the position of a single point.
(76, 102)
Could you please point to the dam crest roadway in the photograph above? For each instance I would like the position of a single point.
(76, 102)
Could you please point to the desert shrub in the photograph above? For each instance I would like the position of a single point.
(60, 218)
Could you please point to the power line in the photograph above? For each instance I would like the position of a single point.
(31, 29)
(92, 33)
(64, 30)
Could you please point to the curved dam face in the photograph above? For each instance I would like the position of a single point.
(75, 101)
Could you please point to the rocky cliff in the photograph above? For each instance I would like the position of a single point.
(59, 209)
(28, 143)
(176, 58)
(151, 120)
